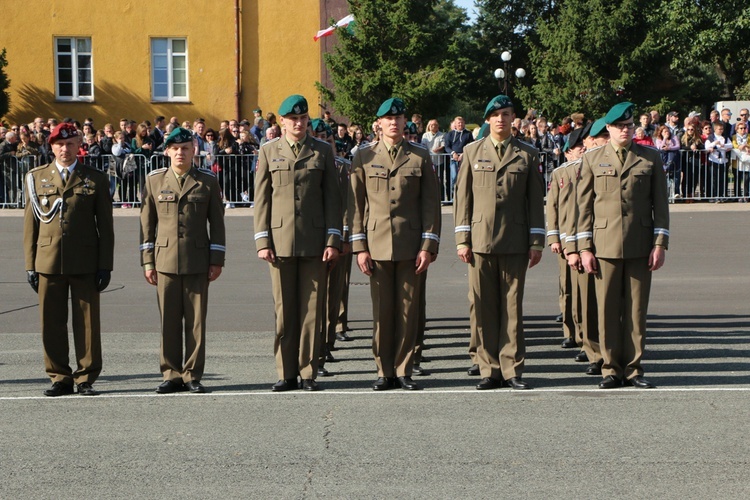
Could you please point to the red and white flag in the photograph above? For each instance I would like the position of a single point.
(328, 31)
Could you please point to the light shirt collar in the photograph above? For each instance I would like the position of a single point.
(70, 168)
(291, 142)
(617, 149)
(495, 143)
(178, 176)
(389, 146)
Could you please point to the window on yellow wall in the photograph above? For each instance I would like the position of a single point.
(74, 74)
(169, 69)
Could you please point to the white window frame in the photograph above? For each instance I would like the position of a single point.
(170, 55)
(74, 68)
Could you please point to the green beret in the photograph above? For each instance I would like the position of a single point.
(329, 130)
(294, 104)
(178, 135)
(619, 112)
(318, 125)
(392, 107)
(574, 138)
(597, 127)
(411, 128)
(484, 131)
(498, 102)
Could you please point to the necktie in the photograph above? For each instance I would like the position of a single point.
(181, 181)
(65, 173)
(500, 148)
(296, 149)
(622, 154)
(393, 152)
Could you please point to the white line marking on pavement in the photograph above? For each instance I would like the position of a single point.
(365, 392)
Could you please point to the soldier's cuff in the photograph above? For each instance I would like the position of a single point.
(149, 267)
(538, 248)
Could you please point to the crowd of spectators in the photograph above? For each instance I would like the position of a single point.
(701, 157)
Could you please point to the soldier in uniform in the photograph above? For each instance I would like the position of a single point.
(298, 221)
(499, 214)
(337, 275)
(622, 237)
(584, 295)
(394, 214)
(69, 247)
(182, 251)
(560, 196)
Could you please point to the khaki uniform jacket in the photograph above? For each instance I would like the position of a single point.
(80, 238)
(573, 175)
(298, 210)
(623, 210)
(344, 169)
(560, 197)
(394, 207)
(182, 231)
(499, 203)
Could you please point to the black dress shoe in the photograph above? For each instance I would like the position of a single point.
(59, 389)
(594, 369)
(559, 318)
(489, 383)
(309, 384)
(285, 385)
(407, 383)
(517, 383)
(343, 336)
(568, 343)
(86, 389)
(170, 386)
(329, 356)
(381, 384)
(418, 370)
(474, 370)
(581, 357)
(639, 382)
(322, 372)
(610, 382)
(195, 387)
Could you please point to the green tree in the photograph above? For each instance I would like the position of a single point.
(501, 25)
(397, 48)
(594, 53)
(4, 84)
(712, 32)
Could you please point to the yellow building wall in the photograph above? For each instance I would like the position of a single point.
(278, 56)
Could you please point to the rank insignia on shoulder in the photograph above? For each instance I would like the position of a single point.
(157, 171)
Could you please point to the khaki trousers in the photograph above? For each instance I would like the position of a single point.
(53, 312)
(342, 323)
(183, 297)
(395, 291)
(473, 332)
(299, 298)
(622, 293)
(570, 330)
(585, 301)
(497, 284)
(422, 321)
(334, 289)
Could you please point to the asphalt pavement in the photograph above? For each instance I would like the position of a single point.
(564, 439)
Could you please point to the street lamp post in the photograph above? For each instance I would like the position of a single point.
(502, 74)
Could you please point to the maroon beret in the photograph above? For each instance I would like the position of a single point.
(63, 131)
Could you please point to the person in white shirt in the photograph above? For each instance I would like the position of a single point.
(717, 147)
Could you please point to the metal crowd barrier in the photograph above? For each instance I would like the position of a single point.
(12, 188)
(691, 177)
